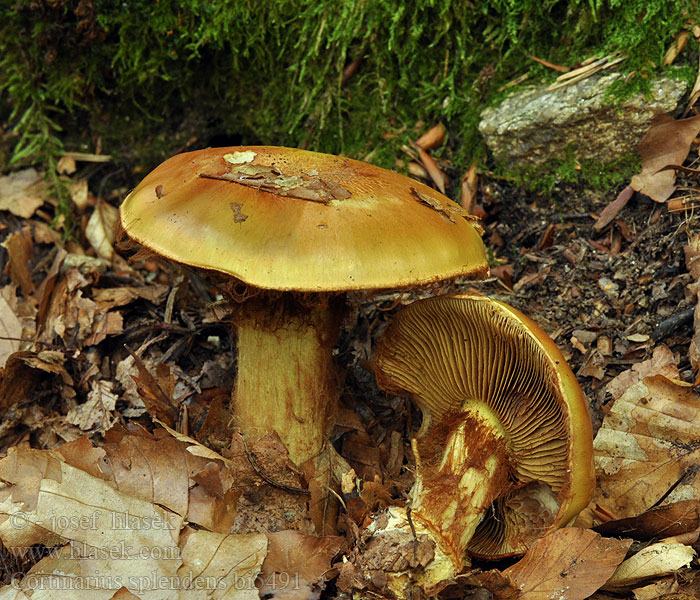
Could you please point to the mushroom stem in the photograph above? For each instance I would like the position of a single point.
(466, 470)
(285, 380)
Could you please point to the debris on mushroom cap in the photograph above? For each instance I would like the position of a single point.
(465, 354)
(289, 219)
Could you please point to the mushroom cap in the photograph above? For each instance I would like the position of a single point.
(450, 351)
(288, 219)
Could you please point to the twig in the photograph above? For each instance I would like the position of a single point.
(89, 157)
(413, 531)
(668, 326)
(265, 477)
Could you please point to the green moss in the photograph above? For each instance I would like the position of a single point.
(590, 174)
(146, 80)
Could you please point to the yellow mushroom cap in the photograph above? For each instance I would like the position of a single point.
(462, 352)
(289, 219)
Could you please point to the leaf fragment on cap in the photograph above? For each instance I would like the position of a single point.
(448, 211)
(271, 179)
(236, 158)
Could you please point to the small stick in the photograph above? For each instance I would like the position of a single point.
(413, 531)
(668, 326)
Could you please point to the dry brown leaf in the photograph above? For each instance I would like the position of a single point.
(98, 410)
(653, 561)
(83, 455)
(662, 362)
(658, 589)
(160, 469)
(50, 361)
(436, 174)
(613, 209)
(68, 309)
(22, 192)
(567, 564)
(104, 324)
(75, 321)
(44, 295)
(100, 229)
(20, 250)
(230, 563)
(125, 374)
(271, 179)
(295, 565)
(666, 143)
(156, 391)
(109, 298)
(647, 450)
(498, 583)
(106, 542)
(45, 500)
(18, 380)
(432, 138)
(78, 191)
(10, 330)
(670, 520)
(469, 188)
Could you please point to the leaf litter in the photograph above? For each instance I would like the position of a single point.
(231, 512)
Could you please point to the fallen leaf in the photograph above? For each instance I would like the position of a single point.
(657, 590)
(22, 192)
(104, 324)
(100, 229)
(695, 92)
(296, 564)
(20, 250)
(692, 261)
(305, 186)
(98, 410)
(10, 330)
(653, 561)
(432, 138)
(224, 566)
(500, 586)
(567, 564)
(660, 522)
(103, 543)
(611, 211)
(646, 450)
(18, 380)
(662, 362)
(156, 391)
(469, 188)
(447, 209)
(434, 171)
(66, 165)
(73, 317)
(161, 469)
(666, 143)
(416, 170)
(78, 191)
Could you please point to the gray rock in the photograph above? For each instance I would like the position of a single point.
(534, 125)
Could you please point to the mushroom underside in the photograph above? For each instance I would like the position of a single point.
(494, 450)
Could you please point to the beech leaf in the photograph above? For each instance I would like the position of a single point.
(666, 143)
(646, 450)
(567, 564)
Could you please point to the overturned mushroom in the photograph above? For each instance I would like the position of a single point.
(504, 453)
(292, 231)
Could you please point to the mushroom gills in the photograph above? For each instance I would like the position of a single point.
(505, 453)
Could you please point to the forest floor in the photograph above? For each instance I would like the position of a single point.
(94, 342)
